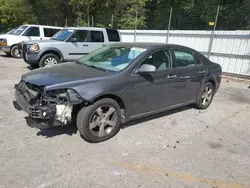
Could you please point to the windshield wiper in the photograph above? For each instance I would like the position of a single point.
(93, 66)
(100, 68)
(77, 61)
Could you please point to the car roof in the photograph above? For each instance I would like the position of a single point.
(152, 45)
(46, 26)
(86, 28)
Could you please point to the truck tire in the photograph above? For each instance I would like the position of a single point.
(15, 52)
(100, 121)
(49, 60)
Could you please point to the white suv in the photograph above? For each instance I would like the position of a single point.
(9, 42)
(68, 44)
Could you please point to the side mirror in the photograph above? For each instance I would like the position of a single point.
(72, 40)
(146, 68)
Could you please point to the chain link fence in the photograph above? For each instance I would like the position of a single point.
(229, 17)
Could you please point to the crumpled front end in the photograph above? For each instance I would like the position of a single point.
(56, 105)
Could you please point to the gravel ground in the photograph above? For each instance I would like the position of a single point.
(181, 148)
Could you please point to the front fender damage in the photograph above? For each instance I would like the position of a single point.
(54, 106)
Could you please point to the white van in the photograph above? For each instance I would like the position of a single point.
(9, 42)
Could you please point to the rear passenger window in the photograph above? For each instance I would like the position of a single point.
(183, 59)
(32, 32)
(49, 32)
(97, 36)
(113, 35)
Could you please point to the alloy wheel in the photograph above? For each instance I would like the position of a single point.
(207, 96)
(103, 120)
(50, 61)
(17, 53)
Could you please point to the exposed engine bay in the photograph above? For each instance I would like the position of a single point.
(55, 105)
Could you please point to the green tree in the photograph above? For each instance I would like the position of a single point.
(128, 14)
(14, 13)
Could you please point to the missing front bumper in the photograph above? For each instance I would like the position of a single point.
(34, 111)
(61, 113)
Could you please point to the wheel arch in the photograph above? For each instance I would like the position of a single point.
(115, 98)
(54, 51)
(13, 46)
(213, 82)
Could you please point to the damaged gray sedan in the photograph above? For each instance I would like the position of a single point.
(118, 83)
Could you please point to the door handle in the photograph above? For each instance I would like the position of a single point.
(202, 72)
(171, 76)
(85, 45)
(184, 77)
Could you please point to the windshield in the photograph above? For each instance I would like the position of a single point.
(19, 30)
(63, 34)
(111, 58)
(11, 31)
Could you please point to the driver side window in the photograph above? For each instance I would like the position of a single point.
(80, 35)
(160, 59)
(32, 32)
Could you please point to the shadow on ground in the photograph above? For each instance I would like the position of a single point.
(155, 116)
(5, 56)
(48, 131)
(32, 67)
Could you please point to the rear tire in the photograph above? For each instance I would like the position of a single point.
(94, 122)
(15, 52)
(205, 96)
(49, 60)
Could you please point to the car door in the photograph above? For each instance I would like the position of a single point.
(95, 40)
(32, 33)
(153, 91)
(191, 75)
(77, 45)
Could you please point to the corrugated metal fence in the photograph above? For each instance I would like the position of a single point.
(231, 49)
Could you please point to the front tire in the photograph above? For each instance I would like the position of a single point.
(15, 52)
(49, 60)
(205, 96)
(99, 121)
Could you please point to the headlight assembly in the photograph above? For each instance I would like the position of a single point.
(33, 48)
(3, 42)
(68, 95)
(74, 97)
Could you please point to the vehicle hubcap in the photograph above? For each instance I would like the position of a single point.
(16, 53)
(50, 61)
(103, 121)
(207, 96)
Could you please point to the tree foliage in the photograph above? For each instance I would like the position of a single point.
(14, 13)
(151, 14)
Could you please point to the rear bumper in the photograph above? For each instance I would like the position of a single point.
(5, 48)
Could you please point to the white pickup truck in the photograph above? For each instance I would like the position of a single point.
(9, 41)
